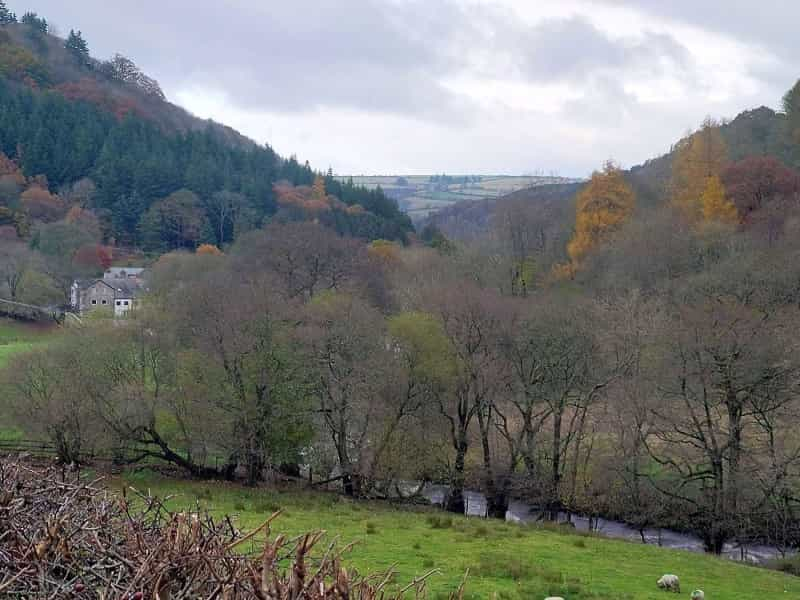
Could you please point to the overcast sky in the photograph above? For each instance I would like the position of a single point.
(503, 86)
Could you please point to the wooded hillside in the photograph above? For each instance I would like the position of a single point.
(100, 136)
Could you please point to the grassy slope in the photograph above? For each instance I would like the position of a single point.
(505, 560)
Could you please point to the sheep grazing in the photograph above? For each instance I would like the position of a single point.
(670, 583)
(698, 595)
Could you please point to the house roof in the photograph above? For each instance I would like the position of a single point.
(114, 272)
(123, 288)
(126, 289)
(85, 284)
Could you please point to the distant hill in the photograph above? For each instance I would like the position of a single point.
(471, 218)
(756, 132)
(117, 84)
(145, 167)
(423, 195)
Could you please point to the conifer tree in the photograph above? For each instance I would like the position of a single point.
(603, 206)
(716, 206)
(38, 23)
(698, 158)
(77, 46)
(6, 16)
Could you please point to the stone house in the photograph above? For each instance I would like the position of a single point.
(118, 290)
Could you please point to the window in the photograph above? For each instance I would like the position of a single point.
(104, 301)
(119, 303)
(94, 301)
(126, 303)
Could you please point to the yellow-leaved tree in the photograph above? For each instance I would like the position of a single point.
(318, 190)
(603, 206)
(697, 190)
(715, 204)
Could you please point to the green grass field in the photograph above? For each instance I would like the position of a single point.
(418, 200)
(17, 337)
(504, 560)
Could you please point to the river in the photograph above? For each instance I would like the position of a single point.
(520, 512)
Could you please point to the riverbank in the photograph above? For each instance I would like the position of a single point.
(507, 559)
(521, 512)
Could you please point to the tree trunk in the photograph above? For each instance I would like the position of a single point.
(496, 501)
(455, 499)
(554, 501)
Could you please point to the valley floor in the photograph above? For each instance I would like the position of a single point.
(504, 560)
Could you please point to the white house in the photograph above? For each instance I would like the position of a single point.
(118, 290)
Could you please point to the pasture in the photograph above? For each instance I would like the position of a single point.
(419, 196)
(504, 560)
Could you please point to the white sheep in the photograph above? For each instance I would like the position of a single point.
(698, 595)
(670, 583)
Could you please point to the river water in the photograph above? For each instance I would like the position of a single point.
(519, 512)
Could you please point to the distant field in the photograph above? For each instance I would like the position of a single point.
(420, 195)
(505, 561)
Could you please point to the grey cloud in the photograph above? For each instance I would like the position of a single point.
(364, 55)
(283, 56)
(573, 49)
(298, 59)
(605, 102)
(771, 24)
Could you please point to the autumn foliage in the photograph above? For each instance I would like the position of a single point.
(208, 250)
(303, 197)
(10, 171)
(715, 205)
(603, 206)
(385, 252)
(94, 256)
(755, 181)
(89, 90)
(697, 190)
(40, 204)
(312, 199)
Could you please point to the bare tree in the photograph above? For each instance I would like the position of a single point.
(347, 343)
(470, 319)
(307, 258)
(16, 261)
(726, 376)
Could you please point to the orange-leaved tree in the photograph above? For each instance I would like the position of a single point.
(39, 203)
(603, 206)
(208, 250)
(696, 187)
